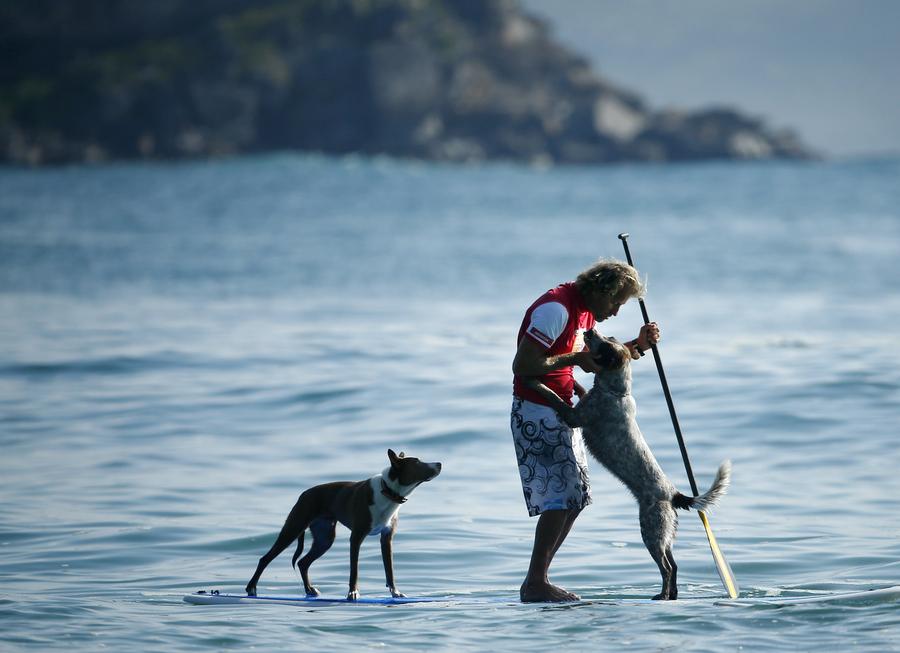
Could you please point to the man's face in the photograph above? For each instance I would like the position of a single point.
(602, 306)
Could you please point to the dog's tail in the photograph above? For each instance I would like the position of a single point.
(299, 548)
(711, 496)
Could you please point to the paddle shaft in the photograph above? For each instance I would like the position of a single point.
(665, 384)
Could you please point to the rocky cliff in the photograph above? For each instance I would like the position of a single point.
(456, 80)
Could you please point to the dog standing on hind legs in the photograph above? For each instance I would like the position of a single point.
(365, 507)
(606, 415)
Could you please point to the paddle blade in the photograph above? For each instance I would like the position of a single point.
(722, 566)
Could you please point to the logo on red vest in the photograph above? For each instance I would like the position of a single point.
(540, 336)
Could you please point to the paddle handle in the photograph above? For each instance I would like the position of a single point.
(665, 385)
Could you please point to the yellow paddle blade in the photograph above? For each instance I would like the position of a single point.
(722, 566)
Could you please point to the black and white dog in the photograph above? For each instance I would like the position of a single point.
(606, 415)
(366, 507)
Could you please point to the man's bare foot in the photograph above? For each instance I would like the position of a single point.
(545, 593)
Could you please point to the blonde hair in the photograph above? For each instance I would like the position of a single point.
(613, 278)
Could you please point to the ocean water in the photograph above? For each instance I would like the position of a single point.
(185, 347)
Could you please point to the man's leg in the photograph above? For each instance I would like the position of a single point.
(571, 516)
(552, 528)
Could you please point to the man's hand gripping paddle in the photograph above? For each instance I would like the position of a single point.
(722, 566)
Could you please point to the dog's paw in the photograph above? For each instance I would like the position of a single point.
(397, 595)
(353, 595)
(251, 590)
(313, 591)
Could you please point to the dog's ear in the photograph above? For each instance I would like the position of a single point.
(394, 458)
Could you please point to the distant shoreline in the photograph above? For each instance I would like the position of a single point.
(402, 161)
(440, 81)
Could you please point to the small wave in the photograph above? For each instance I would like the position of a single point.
(110, 365)
(776, 342)
(785, 422)
(451, 438)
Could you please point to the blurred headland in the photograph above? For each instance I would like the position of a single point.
(445, 80)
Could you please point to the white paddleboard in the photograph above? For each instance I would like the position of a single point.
(214, 597)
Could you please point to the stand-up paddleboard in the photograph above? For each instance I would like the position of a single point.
(214, 597)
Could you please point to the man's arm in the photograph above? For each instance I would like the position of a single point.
(648, 336)
(566, 412)
(532, 360)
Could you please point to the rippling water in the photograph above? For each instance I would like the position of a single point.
(183, 348)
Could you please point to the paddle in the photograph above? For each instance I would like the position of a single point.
(722, 566)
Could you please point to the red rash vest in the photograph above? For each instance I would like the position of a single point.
(561, 381)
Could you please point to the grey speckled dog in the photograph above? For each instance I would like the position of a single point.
(606, 415)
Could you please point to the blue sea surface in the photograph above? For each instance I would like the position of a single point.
(185, 347)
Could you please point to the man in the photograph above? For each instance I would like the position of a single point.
(551, 455)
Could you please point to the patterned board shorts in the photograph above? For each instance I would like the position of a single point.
(552, 459)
